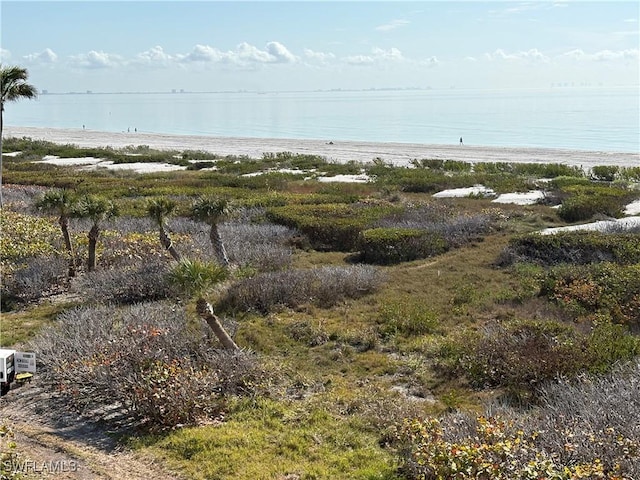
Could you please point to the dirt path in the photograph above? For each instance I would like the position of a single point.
(53, 443)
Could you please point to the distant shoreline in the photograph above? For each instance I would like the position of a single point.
(337, 151)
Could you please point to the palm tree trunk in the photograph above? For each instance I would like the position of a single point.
(205, 311)
(218, 246)
(166, 242)
(93, 241)
(64, 226)
(1, 128)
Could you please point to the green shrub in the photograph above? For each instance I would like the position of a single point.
(330, 226)
(584, 207)
(630, 174)
(394, 245)
(605, 288)
(563, 181)
(586, 201)
(520, 356)
(443, 165)
(408, 317)
(572, 247)
(608, 344)
(604, 173)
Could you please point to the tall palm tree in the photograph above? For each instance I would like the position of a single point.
(159, 209)
(212, 210)
(97, 209)
(62, 203)
(13, 86)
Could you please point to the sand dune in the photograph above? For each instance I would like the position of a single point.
(339, 151)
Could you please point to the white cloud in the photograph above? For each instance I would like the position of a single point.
(4, 54)
(392, 25)
(155, 56)
(630, 20)
(378, 56)
(359, 60)
(603, 55)
(532, 55)
(393, 54)
(245, 54)
(96, 60)
(46, 56)
(280, 53)
(319, 56)
(203, 53)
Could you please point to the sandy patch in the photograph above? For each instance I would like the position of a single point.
(92, 163)
(345, 178)
(279, 170)
(53, 160)
(465, 192)
(633, 208)
(395, 153)
(521, 198)
(626, 223)
(139, 167)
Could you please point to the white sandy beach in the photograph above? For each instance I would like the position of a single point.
(339, 151)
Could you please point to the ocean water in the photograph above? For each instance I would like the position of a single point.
(575, 118)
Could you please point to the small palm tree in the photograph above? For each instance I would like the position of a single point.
(97, 209)
(195, 278)
(13, 86)
(212, 210)
(62, 203)
(159, 210)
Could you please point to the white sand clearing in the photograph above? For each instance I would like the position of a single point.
(524, 198)
(345, 179)
(465, 192)
(633, 208)
(396, 153)
(626, 223)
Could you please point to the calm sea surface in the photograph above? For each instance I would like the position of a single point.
(584, 118)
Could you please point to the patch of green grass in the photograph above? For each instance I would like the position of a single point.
(270, 440)
(17, 328)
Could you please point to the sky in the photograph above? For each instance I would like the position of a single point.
(160, 46)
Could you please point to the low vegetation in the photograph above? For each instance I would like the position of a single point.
(269, 326)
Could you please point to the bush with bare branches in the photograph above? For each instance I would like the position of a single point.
(140, 283)
(146, 361)
(324, 287)
(583, 428)
(38, 277)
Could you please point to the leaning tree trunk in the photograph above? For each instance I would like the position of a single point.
(166, 242)
(1, 128)
(64, 226)
(218, 246)
(93, 241)
(205, 310)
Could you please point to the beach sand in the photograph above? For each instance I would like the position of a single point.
(338, 151)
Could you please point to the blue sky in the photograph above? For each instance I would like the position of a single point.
(303, 45)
